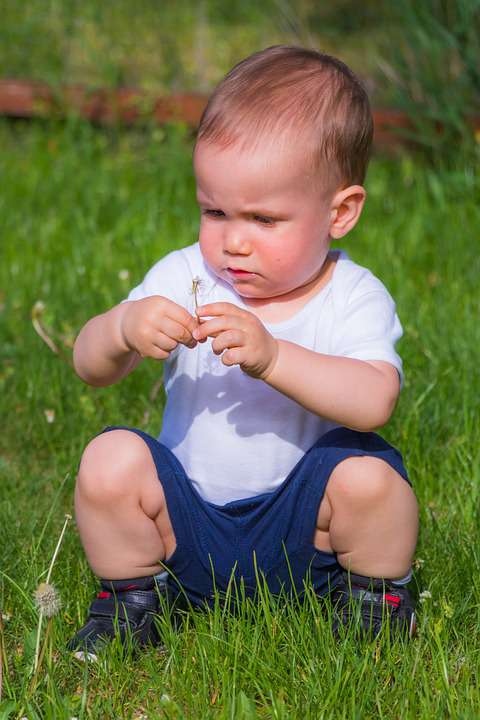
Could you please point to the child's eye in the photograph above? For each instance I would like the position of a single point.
(263, 220)
(213, 213)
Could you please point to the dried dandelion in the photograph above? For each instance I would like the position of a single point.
(48, 602)
(195, 289)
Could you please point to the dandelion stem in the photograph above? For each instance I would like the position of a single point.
(37, 643)
(55, 553)
(45, 641)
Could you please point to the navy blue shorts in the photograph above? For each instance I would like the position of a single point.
(269, 536)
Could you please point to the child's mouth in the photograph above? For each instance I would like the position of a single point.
(236, 272)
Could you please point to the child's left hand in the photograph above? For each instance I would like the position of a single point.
(239, 337)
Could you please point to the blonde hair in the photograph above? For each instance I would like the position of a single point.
(306, 97)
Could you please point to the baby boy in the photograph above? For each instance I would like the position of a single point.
(279, 363)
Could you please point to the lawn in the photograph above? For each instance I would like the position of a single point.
(83, 213)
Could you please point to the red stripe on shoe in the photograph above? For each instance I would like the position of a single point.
(394, 600)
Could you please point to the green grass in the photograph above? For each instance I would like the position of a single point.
(167, 46)
(77, 206)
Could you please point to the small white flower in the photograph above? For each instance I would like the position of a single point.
(418, 563)
(49, 415)
(6, 617)
(123, 274)
(425, 595)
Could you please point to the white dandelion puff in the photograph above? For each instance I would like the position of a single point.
(47, 599)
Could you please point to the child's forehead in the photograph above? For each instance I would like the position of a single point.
(276, 165)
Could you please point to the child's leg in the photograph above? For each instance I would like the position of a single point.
(369, 517)
(120, 508)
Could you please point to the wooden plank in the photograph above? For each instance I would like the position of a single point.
(106, 106)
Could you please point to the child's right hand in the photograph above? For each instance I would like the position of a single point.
(154, 326)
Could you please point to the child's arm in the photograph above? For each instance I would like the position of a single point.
(111, 345)
(357, 393)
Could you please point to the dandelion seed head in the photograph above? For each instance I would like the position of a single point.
(47, 599)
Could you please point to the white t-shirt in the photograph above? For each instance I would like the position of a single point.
(235, 435)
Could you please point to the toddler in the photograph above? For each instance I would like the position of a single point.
(279, 363)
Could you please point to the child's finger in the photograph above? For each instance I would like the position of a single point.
(215, 326)
(227, 340)
(176, 331)
(180, 315)
(219, 308)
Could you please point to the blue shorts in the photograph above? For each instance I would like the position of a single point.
(269, 536)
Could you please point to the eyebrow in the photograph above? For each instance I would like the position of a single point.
(203, 199)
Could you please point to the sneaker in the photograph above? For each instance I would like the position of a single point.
(372, 603)
(123, 608)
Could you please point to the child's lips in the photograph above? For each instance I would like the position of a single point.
(238, 272)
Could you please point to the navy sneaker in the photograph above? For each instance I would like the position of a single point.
(123, 608)
(371, 603)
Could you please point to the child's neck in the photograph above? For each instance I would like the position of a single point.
(284, 307)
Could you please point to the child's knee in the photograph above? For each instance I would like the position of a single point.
(109, 465)
(359, 483)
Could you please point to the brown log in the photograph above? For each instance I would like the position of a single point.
(106, 106)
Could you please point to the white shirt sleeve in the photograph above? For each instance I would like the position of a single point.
(367, 325)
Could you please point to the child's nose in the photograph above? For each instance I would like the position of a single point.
(235, 241)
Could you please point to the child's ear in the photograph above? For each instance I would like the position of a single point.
(346, 207)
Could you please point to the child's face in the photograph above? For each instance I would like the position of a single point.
(264, 222)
